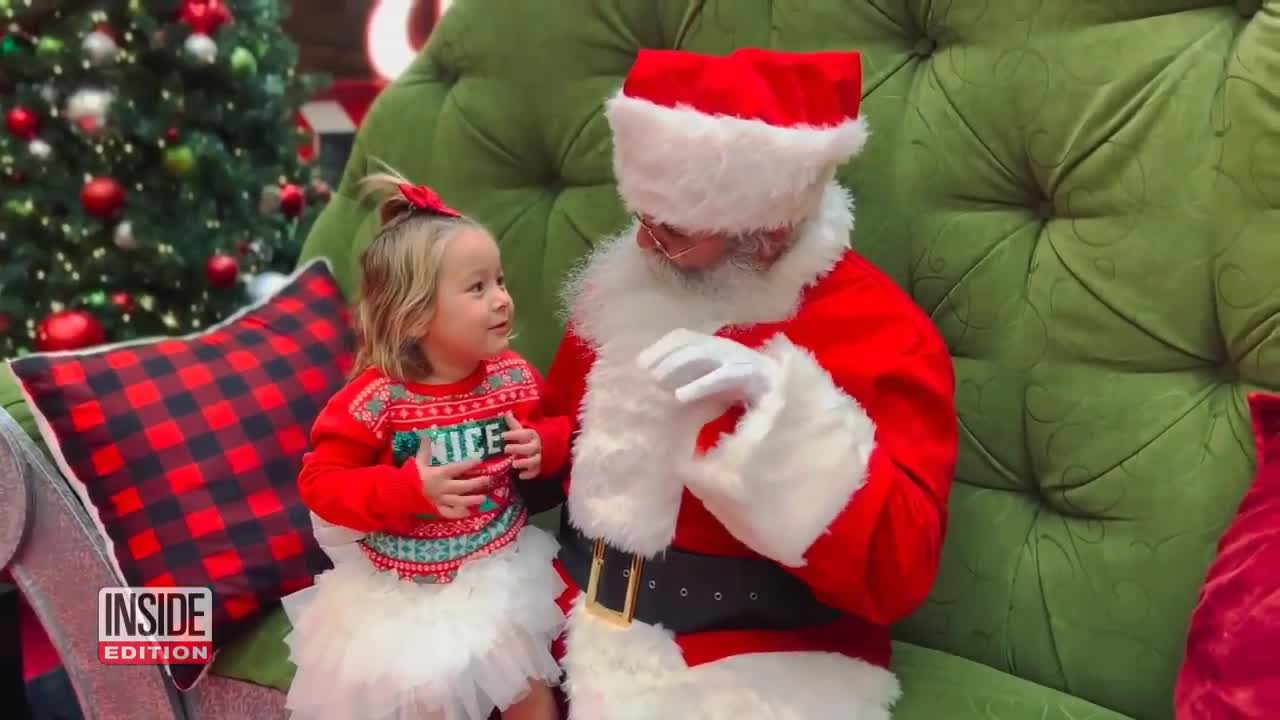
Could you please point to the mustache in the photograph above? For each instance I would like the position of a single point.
(623, 261)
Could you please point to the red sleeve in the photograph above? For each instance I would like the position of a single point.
(880, 555)
(843, 471)
(566, 383)
(343, 483)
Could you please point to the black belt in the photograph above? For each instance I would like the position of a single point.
(688, 592)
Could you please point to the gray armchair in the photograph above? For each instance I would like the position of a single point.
(48, 544)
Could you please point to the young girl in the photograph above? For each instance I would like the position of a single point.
(442, 604)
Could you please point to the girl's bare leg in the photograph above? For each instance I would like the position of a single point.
(539, 704)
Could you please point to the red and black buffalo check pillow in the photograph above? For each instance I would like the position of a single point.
(186, 451)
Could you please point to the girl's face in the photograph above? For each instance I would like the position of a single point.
(472, 317)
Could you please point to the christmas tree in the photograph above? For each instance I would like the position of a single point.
(150, 182)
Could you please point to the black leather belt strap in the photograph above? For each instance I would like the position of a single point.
(688, 592)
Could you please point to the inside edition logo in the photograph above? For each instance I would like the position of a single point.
(155, 626)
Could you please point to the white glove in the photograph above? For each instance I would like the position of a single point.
(695, 366)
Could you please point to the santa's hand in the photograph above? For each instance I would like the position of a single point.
(695, 366)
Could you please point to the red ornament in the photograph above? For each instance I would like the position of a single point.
(88, 124)
(171, 135)
(292, 200)
(6, 322)
(22, 123)
(221, 271)
(204, 16)
(69, 330)
(123, 301)
(106, 29)
(102, 198)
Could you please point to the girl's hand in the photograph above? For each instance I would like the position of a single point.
(452, 494)
(524, 444)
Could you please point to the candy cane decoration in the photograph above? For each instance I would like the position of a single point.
(387, 38)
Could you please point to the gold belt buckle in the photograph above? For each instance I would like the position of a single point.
(593, 607)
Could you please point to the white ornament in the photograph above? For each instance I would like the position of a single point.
(124, 238)
(100, 48)
(265, 284)
(87, 108)
(40, 149)
(202, 48)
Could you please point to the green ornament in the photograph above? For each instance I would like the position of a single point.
(273, 85)
(179, 160)
(9, 45)
(49, 46)
(20, 208)
(243, 62)
(96, 298)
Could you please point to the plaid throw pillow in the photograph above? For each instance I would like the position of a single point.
(186, 451)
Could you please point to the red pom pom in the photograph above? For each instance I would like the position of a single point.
(102, 198)
(123, 301)
(22, 123)
(221, 271)
(69, 330)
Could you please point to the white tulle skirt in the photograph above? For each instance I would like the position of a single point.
(369, 645)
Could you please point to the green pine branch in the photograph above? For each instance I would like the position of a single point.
(200, 148)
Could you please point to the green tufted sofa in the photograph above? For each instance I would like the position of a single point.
(1083, 195)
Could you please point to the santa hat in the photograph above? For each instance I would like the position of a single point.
(737, 142)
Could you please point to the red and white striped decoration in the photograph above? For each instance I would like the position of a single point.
(337, 111)
(395, 33)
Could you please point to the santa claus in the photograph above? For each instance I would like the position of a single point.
(765, 429)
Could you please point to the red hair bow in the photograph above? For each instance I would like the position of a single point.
(425, 199)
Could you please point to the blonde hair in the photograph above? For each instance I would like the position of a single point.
(399, 272)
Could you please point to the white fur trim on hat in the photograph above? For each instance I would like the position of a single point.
(700, 172)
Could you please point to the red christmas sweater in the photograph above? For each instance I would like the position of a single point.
(360, 472)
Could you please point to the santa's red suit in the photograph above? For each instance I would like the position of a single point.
(768, 542)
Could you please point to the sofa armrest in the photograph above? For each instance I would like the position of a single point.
(49, 546)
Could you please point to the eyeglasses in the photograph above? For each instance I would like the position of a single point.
(693, 244)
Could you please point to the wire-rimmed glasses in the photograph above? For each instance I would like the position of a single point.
(693, 244)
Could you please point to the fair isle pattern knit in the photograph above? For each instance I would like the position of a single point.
(462, 424)
(436, 560)
(385, 401)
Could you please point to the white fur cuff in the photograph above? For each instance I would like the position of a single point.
(781, 478)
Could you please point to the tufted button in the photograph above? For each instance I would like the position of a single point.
(442, 69)
(1248, 8)
(924, 47)
(1044, 209)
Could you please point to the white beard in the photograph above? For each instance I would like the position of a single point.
(634, 433)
